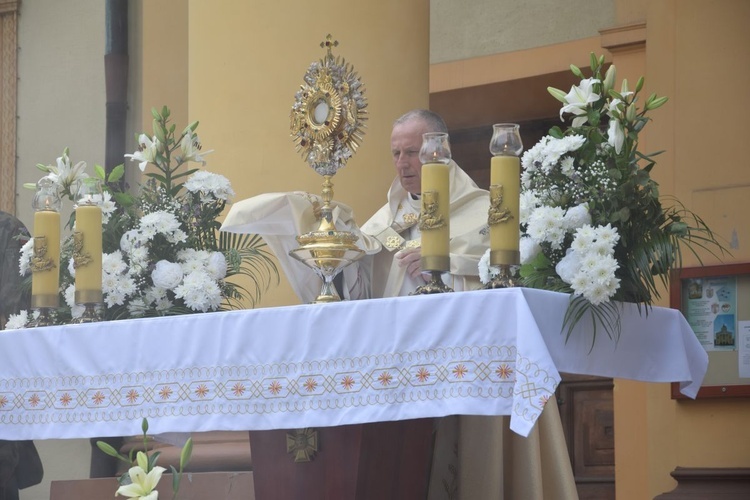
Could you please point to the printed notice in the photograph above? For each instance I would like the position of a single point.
(710, 307)
(743, 327)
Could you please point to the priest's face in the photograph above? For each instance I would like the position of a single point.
(406, 140)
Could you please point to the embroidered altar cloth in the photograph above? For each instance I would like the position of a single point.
(488, 352)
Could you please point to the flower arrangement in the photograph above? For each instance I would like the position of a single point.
(592, 222)
(163, 253)
(144, 475)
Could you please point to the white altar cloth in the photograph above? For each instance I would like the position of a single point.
(489, 352)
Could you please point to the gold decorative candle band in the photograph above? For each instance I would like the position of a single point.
(436, 263)
(504, 257)
(88, 296)
(45, 300)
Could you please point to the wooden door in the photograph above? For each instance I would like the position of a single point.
(587, 415)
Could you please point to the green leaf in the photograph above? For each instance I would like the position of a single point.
(117, 173)
(100, 173)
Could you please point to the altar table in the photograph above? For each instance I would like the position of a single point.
(487, 352)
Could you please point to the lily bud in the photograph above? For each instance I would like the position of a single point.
(639, 85)
(159, 132)
(609, 79)
(557, 94)
(624, 88)
(191, 127)
(576, 71)
(630, 113)
(656, 103)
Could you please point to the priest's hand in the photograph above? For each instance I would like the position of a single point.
(410, 258)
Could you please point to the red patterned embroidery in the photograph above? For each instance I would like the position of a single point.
(423, 374)
(543, 400)
(504, 371)
(311, 384)
(201, 391)
(385, 378)
(165, 392)
(460, 370)
(132, 396)
(34, 400)
(275, 387)
(238, 389)
(3, 401)
(98, 398)
(65, 399)
(347, 382)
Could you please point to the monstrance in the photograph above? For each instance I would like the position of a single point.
(327, 123)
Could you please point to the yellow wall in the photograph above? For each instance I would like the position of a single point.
(247, 60)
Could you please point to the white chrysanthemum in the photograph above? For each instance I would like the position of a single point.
(137, 307)
(577, 217)
(566, 166)
(608, 233)
(199, 292)
(112, 263)
(161, 222)
(528, 201)
(166, 274)
(546, 224)
(217, 266)
(589, 266)
(108, 206)
(17, 321)
(210, 186)
(187, 254)
(177, 236)
(529, 249)
(24, 261)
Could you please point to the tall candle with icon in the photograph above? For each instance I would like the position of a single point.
(45, 261)
(87, 248)
(434, 217)
(505, 188)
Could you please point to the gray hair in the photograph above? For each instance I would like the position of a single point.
(434, 121)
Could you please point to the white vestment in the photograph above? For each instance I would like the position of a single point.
(469, 236)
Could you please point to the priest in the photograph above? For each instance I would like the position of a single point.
(396, 267)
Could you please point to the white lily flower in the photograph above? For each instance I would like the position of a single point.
(143, 484)
(578, 100)
(147, 149)
(191, 148)
(616, 135)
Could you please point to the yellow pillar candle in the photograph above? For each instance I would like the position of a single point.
(505, 189)
(88, 254)
(434, 220)
(45, 262)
